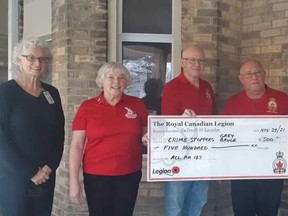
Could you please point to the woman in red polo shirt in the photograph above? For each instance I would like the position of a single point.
(106, 139)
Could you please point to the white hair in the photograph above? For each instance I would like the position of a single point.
(26, 44)
(111, 67)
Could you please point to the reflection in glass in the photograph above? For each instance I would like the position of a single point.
(145, 61)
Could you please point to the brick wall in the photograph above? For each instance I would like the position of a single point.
(228, 49)
(230, 31)
(265, 38)
(79, 38)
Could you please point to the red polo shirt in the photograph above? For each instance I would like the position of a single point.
(113, 135)
(273, 102)
(179, 95)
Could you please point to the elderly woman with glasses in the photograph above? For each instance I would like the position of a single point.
(106, 139)
(31, 133)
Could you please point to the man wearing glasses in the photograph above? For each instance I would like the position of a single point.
(256, 197)
(187, 93)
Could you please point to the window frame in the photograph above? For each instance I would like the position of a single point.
(116, 37)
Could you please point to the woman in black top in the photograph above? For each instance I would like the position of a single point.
(31, 134)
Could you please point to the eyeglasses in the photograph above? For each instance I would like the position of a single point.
(31, 58)
(194, 61)
(249, 75)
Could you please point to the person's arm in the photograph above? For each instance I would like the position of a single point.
(144, 137)
(12, 160)
(75, 159)
(144, 118)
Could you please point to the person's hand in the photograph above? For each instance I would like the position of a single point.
(76, 192)
(145, 139)
(42, 175)
(46, 169)
(189, 113)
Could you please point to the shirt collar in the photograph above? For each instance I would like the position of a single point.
(184, 80)
(101, 100)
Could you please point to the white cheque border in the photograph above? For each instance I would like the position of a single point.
(224, 147)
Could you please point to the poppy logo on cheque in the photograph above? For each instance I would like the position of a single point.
(174, 170)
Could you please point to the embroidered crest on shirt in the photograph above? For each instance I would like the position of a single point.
(208, 96)
(272, 106)
(130, 113)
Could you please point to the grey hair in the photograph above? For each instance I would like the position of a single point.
(26, 44)
(111, 67)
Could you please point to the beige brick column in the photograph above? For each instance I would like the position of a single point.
(228, 49)
(265, 37)
(79, 34)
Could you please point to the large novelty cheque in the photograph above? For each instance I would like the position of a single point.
(217, 148)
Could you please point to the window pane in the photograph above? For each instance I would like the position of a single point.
(144, 61)
(147, 16)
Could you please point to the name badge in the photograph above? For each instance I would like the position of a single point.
(48, 97)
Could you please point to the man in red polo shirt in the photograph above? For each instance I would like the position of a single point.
(256, 197)
(187, 92)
